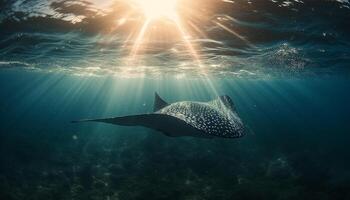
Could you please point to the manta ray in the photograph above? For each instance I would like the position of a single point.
(216, 118)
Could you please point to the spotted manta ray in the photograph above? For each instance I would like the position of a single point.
(216, 118)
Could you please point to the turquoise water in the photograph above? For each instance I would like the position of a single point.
(297, 142)
(286, 68)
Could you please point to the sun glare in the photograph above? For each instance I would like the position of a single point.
(155, 9)
(153, 31)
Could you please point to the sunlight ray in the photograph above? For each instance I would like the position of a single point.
(234, 33)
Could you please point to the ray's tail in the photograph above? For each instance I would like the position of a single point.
(131, 120)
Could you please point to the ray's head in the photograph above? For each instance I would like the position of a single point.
(227, 101)
(235, 126)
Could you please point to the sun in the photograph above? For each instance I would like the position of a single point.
(155, 12)
(156, 9)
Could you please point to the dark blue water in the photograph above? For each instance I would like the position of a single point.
(285, 64)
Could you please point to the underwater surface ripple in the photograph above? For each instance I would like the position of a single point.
(267, 38)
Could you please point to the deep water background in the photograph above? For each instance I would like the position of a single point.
(297, 146)
(286, 67)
